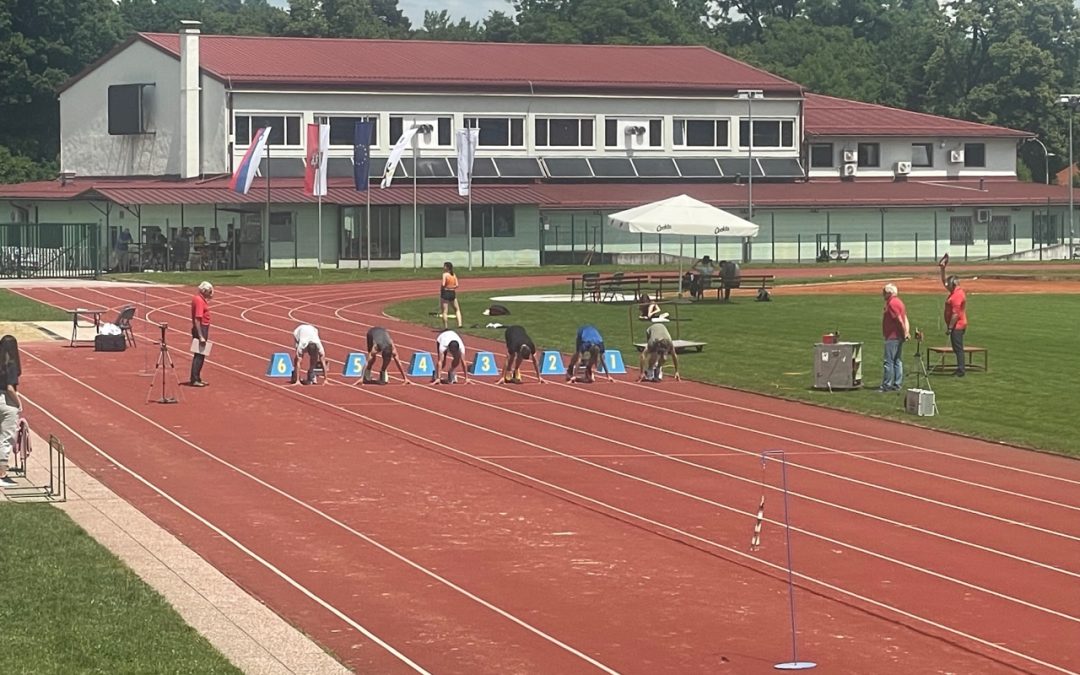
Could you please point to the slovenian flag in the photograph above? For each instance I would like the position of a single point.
(318, 143)
(249, 165)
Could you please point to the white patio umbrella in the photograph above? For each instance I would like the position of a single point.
(682, 215)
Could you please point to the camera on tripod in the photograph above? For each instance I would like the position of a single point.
(918, 335)
(164, 327)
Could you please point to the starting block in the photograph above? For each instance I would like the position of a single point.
(355, 364)
(485, 365)
(423, 363)
(613, 361)
(280, 365)
(552, 364)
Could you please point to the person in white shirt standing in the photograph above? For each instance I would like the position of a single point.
(450, 347)
(307, 342)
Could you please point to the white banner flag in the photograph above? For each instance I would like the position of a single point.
(395, 155)
(466, 149)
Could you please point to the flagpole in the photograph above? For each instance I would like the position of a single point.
(318, 262)
(468, 217)
(415, 212)
(367, 225)
(268, 206)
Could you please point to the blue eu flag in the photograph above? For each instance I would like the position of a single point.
(361, 154)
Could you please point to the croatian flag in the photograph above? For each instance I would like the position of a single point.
(249, 165)
(318, 142)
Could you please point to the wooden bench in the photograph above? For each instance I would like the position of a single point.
(943, 353)
(752, 281)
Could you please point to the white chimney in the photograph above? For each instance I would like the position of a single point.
(190, 150)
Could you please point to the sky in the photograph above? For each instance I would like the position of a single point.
(473, 10)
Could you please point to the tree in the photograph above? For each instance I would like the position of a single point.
(498, 27)
(437, 26)
(646, 22)
(306, 19)
(20, 168)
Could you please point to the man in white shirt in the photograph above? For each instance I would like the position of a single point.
(307, 342)
(450, 346)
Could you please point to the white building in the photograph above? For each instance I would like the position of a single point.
(150, 133)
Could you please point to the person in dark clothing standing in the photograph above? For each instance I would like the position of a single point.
(200, 329)
(519, 346)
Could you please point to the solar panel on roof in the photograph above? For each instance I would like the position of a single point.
(483, 167)
(428, 167)
(739, 166)
(782, 167)
(283, 167)
(698, 167)
(568, 167)
(612, 167)
(518, 167)
(655, 167)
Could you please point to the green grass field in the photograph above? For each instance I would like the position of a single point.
(1028, 397)
(69, 606)
(17, 308)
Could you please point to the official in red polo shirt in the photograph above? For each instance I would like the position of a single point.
(200, 329)
(894, 328)
(955, 314)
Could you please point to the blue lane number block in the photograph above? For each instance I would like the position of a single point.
(355, 364)
(613, 362)
(485, 365)
(423, 363)
(552, 364)
(280, 365)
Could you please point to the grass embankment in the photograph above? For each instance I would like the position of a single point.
(70, 606)
(1027, 398)
(15, 307)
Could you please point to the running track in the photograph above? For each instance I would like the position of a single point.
(491, 529)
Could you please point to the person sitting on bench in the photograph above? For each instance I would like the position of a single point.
(702, 280)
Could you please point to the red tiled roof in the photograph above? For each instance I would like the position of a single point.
(809, 194)
(428, 64)
(829, 116)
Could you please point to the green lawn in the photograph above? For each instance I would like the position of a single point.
(17, 308)
(1028, 397)
(309, 275)
(69, 606)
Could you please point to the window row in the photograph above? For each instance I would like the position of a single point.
(548, 132)
(823, 155)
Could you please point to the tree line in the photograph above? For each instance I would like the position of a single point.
(1001, 62)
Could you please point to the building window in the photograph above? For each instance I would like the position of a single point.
(974, 155)
(498, 132)
(434, 222)
(960, 231)
(343, 129)
(611, 133)
(922, 154)
(1044, 228)
(441, 133)
(869, 154)
(821, 156)
(1000, 230)
(493, 221)
(284, 129)
(564, 132)
(688, 133)
(281, 226)
(768, 133)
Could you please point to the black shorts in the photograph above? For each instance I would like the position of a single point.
(448, 294)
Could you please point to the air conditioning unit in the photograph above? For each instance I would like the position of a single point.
(635, 133)
(851, 156)
(903, 168)
(956, 157)
(982, 215)
(849, 170)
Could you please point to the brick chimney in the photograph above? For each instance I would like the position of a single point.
(190, 143)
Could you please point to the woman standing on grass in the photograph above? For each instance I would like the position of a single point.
(448, 294)
(10, 405)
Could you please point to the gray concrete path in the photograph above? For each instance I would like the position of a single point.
(247, 632)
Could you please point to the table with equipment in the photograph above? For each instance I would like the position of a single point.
(94, 315)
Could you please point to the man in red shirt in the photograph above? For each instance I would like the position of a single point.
(895, 330)
(200, 329)
(955, 315)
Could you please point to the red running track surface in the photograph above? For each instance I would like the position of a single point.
(557, 528)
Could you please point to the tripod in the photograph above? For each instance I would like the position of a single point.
(164, 359)
(920, 372)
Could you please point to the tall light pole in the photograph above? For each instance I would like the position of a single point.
(1073, 103)
(1046, 157)
(750, 95)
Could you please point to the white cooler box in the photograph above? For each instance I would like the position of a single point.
(920, 402)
